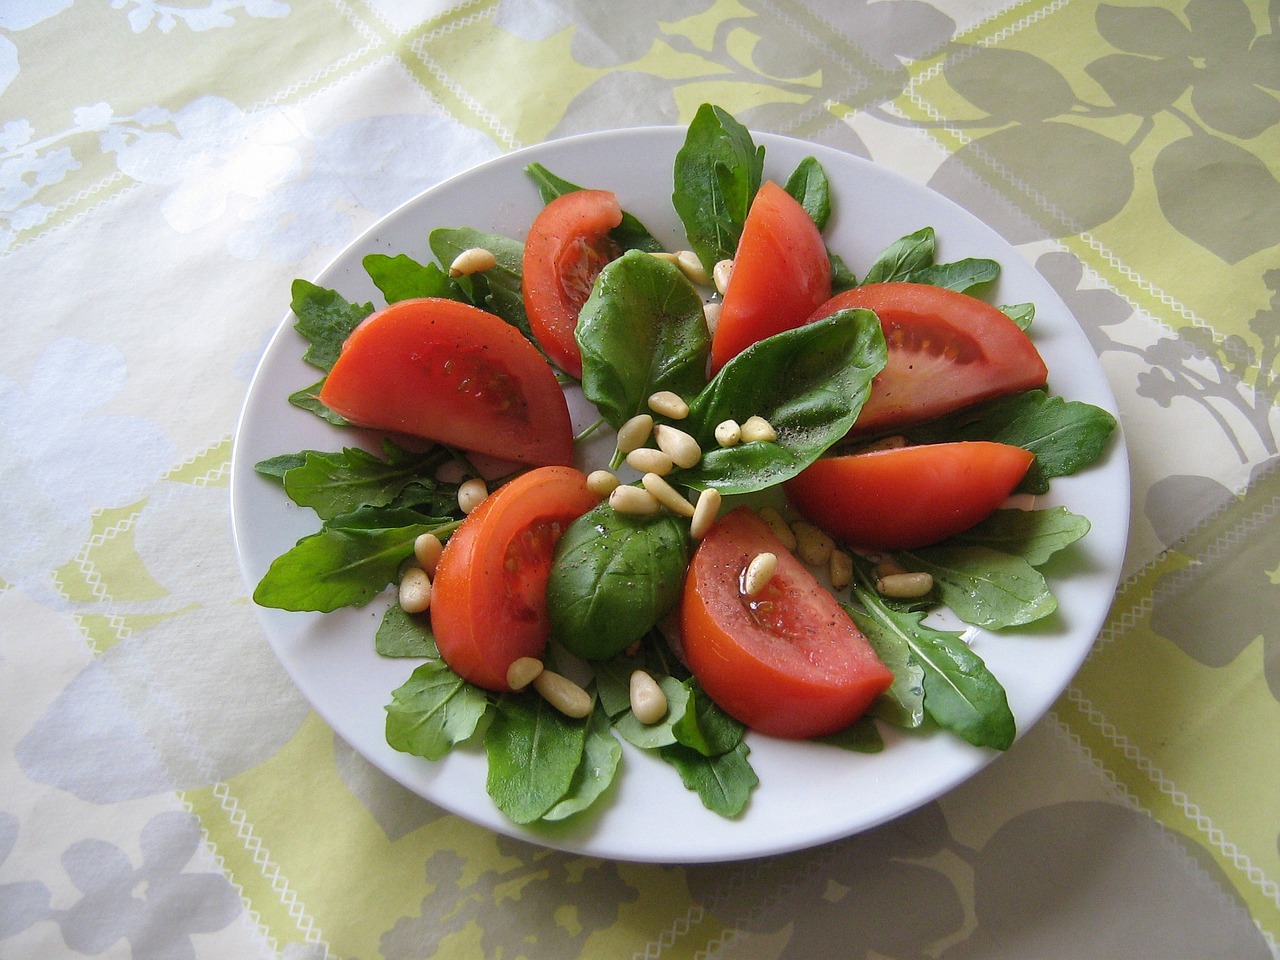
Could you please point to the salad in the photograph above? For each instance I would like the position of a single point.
(622, 591)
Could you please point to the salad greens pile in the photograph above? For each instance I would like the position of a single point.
(643, 330)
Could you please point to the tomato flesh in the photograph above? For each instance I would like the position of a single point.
(455, 374)
(789, 661)
(781, 274)
(900, 499)
(947, 350)
(489, 596)
(567, 247)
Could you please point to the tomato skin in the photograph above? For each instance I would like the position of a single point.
(489, 596)
(789, 662)
(567, 246)
(900, 499)
(453, 373)
(781, 274)
(947, 350)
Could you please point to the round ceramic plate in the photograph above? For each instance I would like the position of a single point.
(809, 793)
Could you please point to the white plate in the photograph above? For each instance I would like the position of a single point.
(808, 793)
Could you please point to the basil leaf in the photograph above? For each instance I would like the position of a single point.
(630, 234)
(497, 289)
(534, 752)
(809, 383)
(1033, 535)
(1020, 313)
(652, 736)
(613, 576)
(808, 184)
(402, 634)
(705, 726)
(962, 275)
(336, 483)
(325, 320)
(903, 257)
(723, 783)
(403, 278)
(842, 278)
(601, 755)
(717, 173)
(642, 330)
(434, 710)
(985, 587)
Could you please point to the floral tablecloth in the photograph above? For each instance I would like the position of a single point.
(167, 168)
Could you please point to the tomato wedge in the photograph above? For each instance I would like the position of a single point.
(908, 497)
(453, 373)
(567, 247)
(489, 597)
(788, 662)
(947, 350)
(781, 274)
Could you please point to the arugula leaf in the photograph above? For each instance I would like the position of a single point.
(402, 634)
(717, 173)
(903, 703)
(630, 234)
(403, 278)
(704, 726)
(601, 755)
(274, 468)
(652, 736)
(809, 383)
(1020, 313)
(433, 710)
(723, 783)
(985, 587)
(643, 329)
(809, 185)
(534, 752)
(861, 736)
(613, 577)
(1033, 535)
(336, 483)
(308, 399)
(325, 320)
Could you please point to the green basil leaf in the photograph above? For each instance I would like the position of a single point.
(723, 783)
(642, 330)
(601, 755)
(903, 257)
(630, 234)
(498, 289)
(403, 278)
(717, 173)
(325, 320)
(402, 634)
(962, 275)
(808, 184)
(534, 752)
(985, 587)
(434, 710)
(1033, 535)
(809, 383)
(336, 483)
(842, 278)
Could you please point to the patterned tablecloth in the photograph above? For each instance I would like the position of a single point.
(167, 168)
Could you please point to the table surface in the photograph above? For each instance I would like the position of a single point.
(168, 168)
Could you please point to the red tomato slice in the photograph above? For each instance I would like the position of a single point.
(947, 350)
(567, 247)
(455, 374)
(781, 274)
(908, 497)
(489, 596)
(788, 662)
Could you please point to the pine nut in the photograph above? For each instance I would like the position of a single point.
(415, 591)
(812, 545)
(473, 260)
(758, 428)
(711, 313)
(840, 569)
(648, 702)
(904, 586)
(692, 268)
(635, 432)
(721, 273)
(780, 528)
(523, 671)
(728, 433)
(471, 494)
(678, 445)
(758, 573)
(669, 405)
(649, 460)
(705, 512)
(887, 568)
(668, 257)
(602, 482)
(635, 501)
(426, 550)
(667, 495)
(563, 694)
